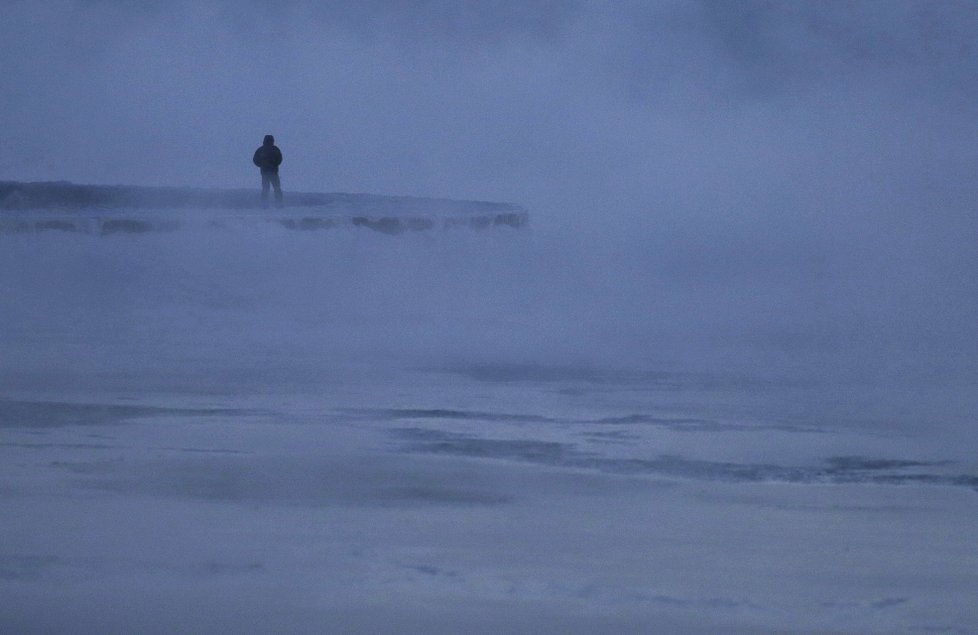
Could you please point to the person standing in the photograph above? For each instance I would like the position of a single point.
(268, 157)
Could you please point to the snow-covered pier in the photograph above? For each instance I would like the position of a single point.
(105, 210)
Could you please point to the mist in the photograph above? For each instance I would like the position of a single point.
(818, 141)
(749, 220)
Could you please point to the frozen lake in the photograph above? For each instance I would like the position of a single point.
(251, 429)
(699, 355)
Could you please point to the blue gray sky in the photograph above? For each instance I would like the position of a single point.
(541, 102)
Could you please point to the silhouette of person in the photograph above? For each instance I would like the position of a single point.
(268, 157)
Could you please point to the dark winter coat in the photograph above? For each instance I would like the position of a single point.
(268, 157)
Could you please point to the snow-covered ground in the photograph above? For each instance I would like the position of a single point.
(254, 430)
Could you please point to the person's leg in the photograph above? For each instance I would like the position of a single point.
(277, 184)
(265, 182)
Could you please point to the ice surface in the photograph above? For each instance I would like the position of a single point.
(264, 430)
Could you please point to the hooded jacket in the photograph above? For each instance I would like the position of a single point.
(268, 157)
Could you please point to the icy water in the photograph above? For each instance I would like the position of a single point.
(258, 430)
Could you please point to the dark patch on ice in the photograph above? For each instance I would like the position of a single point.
(288, 481)
(767, 503)
(611, 436)
(861, 463)
(837, 470)
(87, 467)
(672, 423)
(692, 424)
(431, 570)
(672, 600)
(654, 420)
(439, 495)
(586, 376)
(931, 629)
(878, 604)
(308, 224)
(61, 446)
(205, 450)
(51, 414)
(681, 424)
(135, 226)
(543, 373)
(396, 414)
(25, 567)
(434, 441)
(870, 472)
